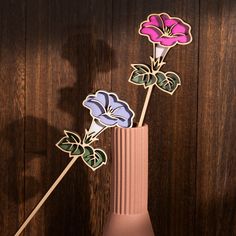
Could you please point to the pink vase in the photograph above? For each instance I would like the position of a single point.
(129, 192)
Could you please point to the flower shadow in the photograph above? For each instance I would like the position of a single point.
(43, 164)
(69, 204)
(88, 56)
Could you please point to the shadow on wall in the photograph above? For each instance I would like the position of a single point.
(69, 205)
(88, 57)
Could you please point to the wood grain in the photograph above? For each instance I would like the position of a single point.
(58, 80)
(216, 181)
(53, 53)
(12, 109)
(172, 125)
(99, 181)
(67, 57)
(173, 132)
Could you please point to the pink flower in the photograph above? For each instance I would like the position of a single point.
(165, 30)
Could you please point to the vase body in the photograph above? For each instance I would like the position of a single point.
(129, 191)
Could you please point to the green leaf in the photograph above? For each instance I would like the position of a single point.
(141, 68)
(71, 144)
(72, 136)
(77, 150)
(149, 79)
(167, 82)
(94, 158)
(88, 151)
(142, 75)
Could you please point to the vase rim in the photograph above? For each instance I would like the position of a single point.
(134, 127)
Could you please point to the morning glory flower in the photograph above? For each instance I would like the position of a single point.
(165, 30)
(107, 110)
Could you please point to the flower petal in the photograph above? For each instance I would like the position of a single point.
(180, 28)
(96, 109)
(183, 39)
(154, 20)
(122, 112)
(168, 41)
(169, 21)
(103, 98)
(115, 103)
(152, 32)
(107, 120)
(124, 123)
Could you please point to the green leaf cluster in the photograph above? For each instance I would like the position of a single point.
(71, 144)
(148, 76)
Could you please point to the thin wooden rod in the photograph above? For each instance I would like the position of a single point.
(145, 105)
(35, 210)
(148, 95)
(158, 52)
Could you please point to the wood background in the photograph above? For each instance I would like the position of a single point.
(53, 53)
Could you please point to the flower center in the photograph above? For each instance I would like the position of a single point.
(167, 32)
(110, 111)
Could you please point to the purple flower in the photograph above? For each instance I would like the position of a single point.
(165, 30)
(109, 110)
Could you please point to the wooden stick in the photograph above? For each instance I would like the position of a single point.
(157, 52)
(148, 95)
(145, 105)
(35, 210)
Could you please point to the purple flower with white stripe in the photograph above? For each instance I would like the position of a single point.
(108, 110)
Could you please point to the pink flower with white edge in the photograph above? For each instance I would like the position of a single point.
(165, 30)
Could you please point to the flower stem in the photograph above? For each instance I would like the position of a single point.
(45, 197)
(158, 51)
(95, 129)
(147, 99)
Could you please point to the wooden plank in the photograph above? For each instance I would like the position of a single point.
(102, 54)
(216, 209)
(68, 56)
(53, 104)
(12, 82)
(171, 122)
(37, 83)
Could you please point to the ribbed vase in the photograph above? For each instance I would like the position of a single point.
(129, 191)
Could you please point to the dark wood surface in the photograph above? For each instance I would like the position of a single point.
(53, 53)
(12, 111)
(216, 155)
